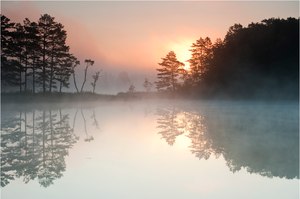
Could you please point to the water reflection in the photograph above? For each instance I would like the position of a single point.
(169, 124)
(263, 140)
(34, 145)
(255, 139)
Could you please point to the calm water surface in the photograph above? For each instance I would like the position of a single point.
(155, 150)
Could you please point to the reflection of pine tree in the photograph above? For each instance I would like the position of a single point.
(268, 148)
(11, 135)
(173, 123)
(39, 153)
(201, 145)
(169, 125)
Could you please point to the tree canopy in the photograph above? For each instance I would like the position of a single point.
(260, 60)
(36, 51)
(169, 72)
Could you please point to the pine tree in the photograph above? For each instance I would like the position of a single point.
(54, 51)
(59, 53)
(46, 24)
(36, 50)
(19, 53)
(201, 53)
(9, 70)
(168, 74)
(33, 50)
(64, 71)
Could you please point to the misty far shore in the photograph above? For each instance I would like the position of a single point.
(56, 97)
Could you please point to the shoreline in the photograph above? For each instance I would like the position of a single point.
(29, 98)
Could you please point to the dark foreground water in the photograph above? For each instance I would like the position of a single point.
(155, 150)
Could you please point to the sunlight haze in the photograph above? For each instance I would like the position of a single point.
(134, 36)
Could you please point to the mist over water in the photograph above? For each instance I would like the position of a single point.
(123, 149)
(150, 100)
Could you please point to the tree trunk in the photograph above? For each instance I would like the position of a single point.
(20, 73)
(173, 83)
(51, 74)
(75, 82)
(20, 81)
(25, 75)
(44, 67)
(33, 77)
(85, 71)
(94, 86)
(60, 86)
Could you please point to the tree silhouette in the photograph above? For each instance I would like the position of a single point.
(169, 72)
(19, 52)
(147, 85)
(131, 89)
(75, 63)
(46, 24)
(9, 66)
(95, 79)
(34, 50)
(65, 69)
(201, 53)
(260, 60)
(88, 63)
(60, 64)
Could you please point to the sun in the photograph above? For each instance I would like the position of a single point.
(182, 141)
(183, 54)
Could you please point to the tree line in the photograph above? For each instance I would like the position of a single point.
(35, 56)
(260, 60)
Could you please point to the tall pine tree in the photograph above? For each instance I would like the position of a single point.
(9, 66)
(201, 53)
(169, 72)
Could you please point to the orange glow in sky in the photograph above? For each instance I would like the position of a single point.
(134, 36)
(182, 50)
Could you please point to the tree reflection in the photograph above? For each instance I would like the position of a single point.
(35, 149)
(256, 140)
(201, 146)
(169, 124)
(88, 138)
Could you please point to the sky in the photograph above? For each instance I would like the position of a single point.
(134, 36)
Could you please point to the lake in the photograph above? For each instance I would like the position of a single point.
(150, 149)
